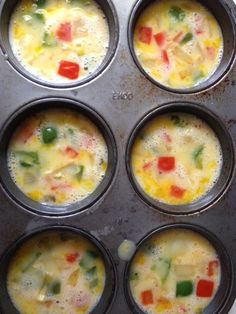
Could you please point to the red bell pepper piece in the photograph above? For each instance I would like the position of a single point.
(147, 297)
(176, 191)
(71, 258)
(165, 57)
(145, 34)
(71, 152)
(69, 69)
(166, 163)
(160, 39)
(211, 267)
(205, 288)
(64, 32)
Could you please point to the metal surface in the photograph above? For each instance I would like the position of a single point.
(121, 95)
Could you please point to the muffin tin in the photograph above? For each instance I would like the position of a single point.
(120, 97)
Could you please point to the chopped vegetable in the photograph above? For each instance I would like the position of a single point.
(197, 156)
(134, 276)
(80, 173)
(186, 39)
(165, 57)
(205, 288)
(160, 39)
(145, 34)
(91, 272)
(184, 288)
(64, 32)
(211, 52)
(149, 248)
(178, 37)
(71, 152)
(147, 297)
(91, 275)
(184, 270)
(40, 3)
(39, 16)
(93, 283)
(49, 134)
(198, 75)
(28, 159)
(211, 267)
(54, 288)
(147, 165)
(162, 267)
(25, 164)
(73, 278)
(166, 163)
(176, 191)
(177, 13)
(49, 40)
(71, 258)
(68, 69)
(32, 259)
(178, 121)
(87, 262)
(61, 186)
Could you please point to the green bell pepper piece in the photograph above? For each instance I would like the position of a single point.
(40, 3)
(32, 259)
(197, 156)
(80, 172)
(28, 159)
(184, 288)
(49, 134)
(177, 13)
(186, 39)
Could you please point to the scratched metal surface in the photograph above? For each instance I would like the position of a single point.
(120, 213)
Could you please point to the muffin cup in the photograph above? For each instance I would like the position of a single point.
(9, 186)
(228, 163)
(6, 305)
(226, 19)
(6, 9)
(224, 297)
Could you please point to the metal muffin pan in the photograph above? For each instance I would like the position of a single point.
(220, 302)
(15, 194)
(226, 21)
(228, 163)
(122, 95)
(110, 271)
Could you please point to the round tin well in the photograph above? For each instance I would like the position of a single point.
(223, 300)
(226, 174)
(15, 194)
(108, 8)
(224, 15)
(109, 291)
